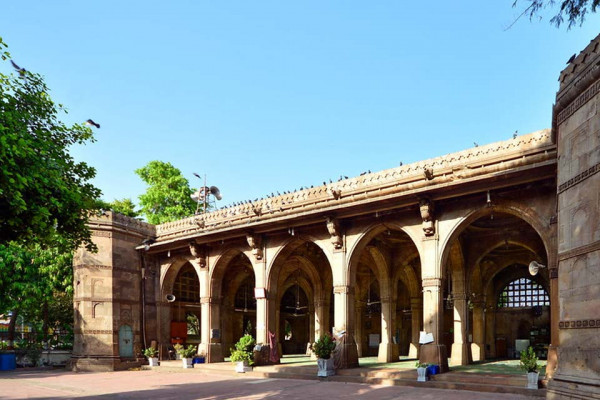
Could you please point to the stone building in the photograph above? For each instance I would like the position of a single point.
(442, 246)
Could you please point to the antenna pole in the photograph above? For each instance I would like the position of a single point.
(205, 195)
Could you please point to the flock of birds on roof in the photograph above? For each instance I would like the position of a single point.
(276, 194)
(22, 73)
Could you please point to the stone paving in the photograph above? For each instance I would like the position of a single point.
(187, 385)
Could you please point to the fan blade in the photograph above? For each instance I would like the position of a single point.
(301, 307)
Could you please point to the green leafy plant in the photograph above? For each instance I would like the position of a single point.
(419, 364)
(529, 361)
(150, 352)
(186, 352)
(244, 350)
(323, 346)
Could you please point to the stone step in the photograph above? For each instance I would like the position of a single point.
(457, 381)
(493, 379)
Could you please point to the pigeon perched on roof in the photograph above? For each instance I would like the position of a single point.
(571, 59)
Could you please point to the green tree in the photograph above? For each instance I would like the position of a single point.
(32, 278)
(571, 11)
(167, 197)
(124, 206)
(42, 189)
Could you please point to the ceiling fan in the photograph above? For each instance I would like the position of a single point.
(298, 307)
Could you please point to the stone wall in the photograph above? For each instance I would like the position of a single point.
(107, 295)
(577, 130)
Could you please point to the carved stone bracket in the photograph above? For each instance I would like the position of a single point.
(255, 243)
(426, 209)
(333, 227)
(198, 252)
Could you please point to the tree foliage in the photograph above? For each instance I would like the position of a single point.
(167, 197)
(35, 279)
(124, 206)
(570, 11)
(42, 189)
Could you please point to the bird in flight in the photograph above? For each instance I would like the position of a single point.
(196, 175)
(19, 69)
(91, 122)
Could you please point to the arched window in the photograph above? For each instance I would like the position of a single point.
(523, 292)
(187, 285)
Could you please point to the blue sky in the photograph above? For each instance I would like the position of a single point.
(270, 96)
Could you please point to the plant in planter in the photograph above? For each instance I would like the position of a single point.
(186, 354)
(529, 363)
(242, 355)
(323, 348)
(151, 354)
(421, 371)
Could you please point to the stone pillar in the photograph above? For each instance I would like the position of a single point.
(415, 330)
(460, 347)
(478, 345)
(552, 363)
(385, 353)
(344, 321)
(320, 326)
(211, 328)
(490, 331)
(434, 353)
(358, 325)
(261, 320)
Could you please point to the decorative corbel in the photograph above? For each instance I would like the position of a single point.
(426, 209)
(199, 253)
(255, 243)
(333, 227)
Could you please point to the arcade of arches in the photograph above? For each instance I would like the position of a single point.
(442, 246)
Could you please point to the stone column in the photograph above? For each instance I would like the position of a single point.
(460, 347)
(261, 320)
(478, 345)
(358, 325)
(554, 317)
(385, 347)
(490, 330)
(434, 353)
(344, 321)
(211, 328)
(416, 319)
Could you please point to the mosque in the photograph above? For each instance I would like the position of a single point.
(488, 250)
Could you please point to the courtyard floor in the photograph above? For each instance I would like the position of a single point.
(185, 384)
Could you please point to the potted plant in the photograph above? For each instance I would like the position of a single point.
(242, 355)
(151, 354)
(322, 349)
(529, 363)
(186, 354)
(421, 371)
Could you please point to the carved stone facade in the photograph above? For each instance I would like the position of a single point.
(428, 246)
(577, 133)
